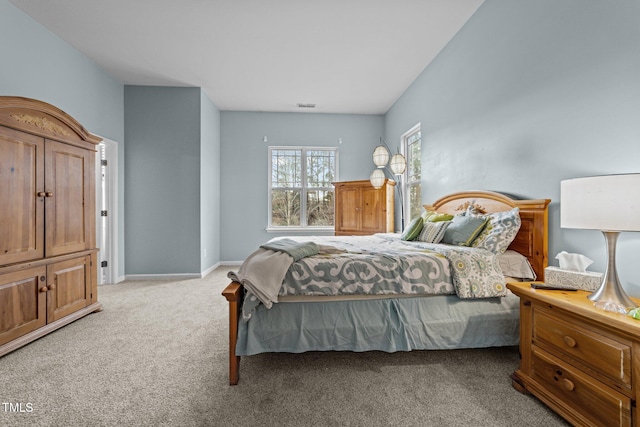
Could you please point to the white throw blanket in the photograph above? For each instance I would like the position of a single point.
(262, 274)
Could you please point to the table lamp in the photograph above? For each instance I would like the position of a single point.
(611, 204)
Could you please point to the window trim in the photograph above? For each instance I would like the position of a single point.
(405, 184)
(303, 159)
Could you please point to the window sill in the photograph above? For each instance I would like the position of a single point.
(309, 230)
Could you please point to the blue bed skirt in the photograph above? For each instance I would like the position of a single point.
(401, 324)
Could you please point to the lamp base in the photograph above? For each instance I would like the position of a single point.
(610, 296)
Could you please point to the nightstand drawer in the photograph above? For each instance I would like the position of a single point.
(591, 400)
(604, 356)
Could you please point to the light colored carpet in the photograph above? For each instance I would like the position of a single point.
(157, 356)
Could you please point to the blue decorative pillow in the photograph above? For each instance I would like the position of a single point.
(433, 232)
(413, 230)
(464, 229)
(500, 231)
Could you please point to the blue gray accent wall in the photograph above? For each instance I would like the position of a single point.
(172, 181)
(244, 164)
(209, 183)
(527, 94)
(38, 64)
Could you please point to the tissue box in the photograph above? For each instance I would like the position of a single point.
(585, 280)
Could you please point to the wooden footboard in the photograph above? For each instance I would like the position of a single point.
(234, 293)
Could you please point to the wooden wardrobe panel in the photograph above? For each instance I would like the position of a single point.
(21, 180)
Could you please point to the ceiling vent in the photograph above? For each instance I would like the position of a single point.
(306, 105)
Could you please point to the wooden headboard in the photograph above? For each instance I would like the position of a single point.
(532, 239)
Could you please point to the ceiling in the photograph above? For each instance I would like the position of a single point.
(344, 56)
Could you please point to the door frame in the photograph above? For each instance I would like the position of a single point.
(108, 244)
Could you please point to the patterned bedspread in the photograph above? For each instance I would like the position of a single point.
(383, 264)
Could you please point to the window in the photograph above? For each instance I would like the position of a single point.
(300, 191)
(412, 147)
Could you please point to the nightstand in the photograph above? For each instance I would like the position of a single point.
(582, 362)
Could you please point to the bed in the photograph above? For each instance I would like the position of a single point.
(401, 319)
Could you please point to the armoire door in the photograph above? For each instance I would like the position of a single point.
(21, 196)
(23, 302)
(69, 287)
(68, 186)
(348, 208)
(373, 210)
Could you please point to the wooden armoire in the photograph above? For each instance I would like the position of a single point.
(361, 209)
(48, 258)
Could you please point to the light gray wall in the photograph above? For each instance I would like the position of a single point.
(172, 179)
(527, 94)
(244, 164)
(162, 177)
(209, 183)
(37, 64)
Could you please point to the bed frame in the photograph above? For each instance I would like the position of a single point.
(531, 241)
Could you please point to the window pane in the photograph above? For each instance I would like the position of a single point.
(286, 168)
(301, 192)
(320, 208)
(415, 208)
(413, 147)
(320, 168)
(414, 157)
(285, 207)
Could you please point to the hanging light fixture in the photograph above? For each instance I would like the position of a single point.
(377, 178)
(380, 156)
(398, 164)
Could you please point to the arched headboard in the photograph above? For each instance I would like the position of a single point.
(532, 239)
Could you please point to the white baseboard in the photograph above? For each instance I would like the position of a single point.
(209, 270)
(180, 276)
(230, 263)
(176, 276)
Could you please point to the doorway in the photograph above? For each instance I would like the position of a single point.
(107, 211)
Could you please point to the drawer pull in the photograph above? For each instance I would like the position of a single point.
(569, 341)
(43, 289)
(51, 287)
(568, 384)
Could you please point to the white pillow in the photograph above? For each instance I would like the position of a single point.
(516, 265)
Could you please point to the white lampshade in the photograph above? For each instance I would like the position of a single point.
(380, 156)
(398, 164)
(606, 203)
(377, 178)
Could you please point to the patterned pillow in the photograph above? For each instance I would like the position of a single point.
(413, 230)
(433, 232)
(477, 274)
(500, 231)
(463, 230)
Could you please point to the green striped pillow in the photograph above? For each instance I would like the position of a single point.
(413, 230)
(433, 232)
